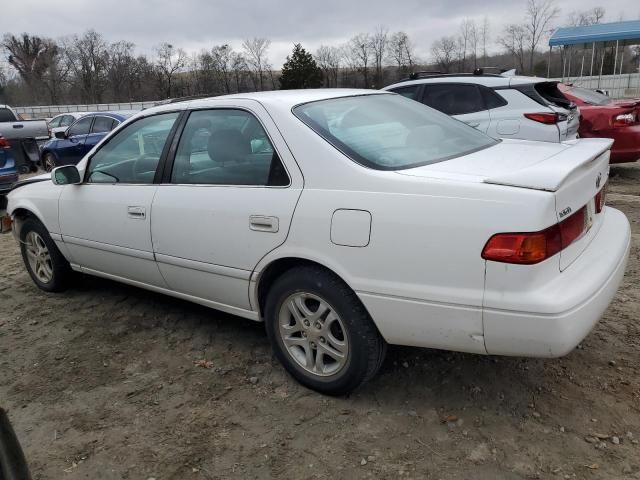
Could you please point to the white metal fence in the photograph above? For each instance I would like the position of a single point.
(46, 111)
(618, 86)
(626, 85)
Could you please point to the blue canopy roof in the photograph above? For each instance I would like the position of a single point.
(603, 32)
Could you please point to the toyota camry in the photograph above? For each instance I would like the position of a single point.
(345, 220)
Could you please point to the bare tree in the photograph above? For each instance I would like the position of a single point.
(119, 69)
(474, 41)
(401, 52)
(222, 56)
(539, 15)
(169, 61)
(443, 51)
(328, 59)
(88, 58)
(586, 17)
(379, 41)
(256, 58)
(466, 29)
(359, 55)
(33, 57)
(484, 36)
(514, 40)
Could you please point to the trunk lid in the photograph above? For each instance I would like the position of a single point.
(573, 171)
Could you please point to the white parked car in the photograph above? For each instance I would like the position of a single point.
(343, 219)
(61, 122)
(528, 108)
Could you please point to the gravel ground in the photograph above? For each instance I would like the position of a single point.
(108, 381)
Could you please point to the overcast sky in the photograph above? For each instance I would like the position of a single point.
(196, 24)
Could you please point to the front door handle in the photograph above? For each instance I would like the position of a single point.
(138, 213)
(261, 223)
(473, 124)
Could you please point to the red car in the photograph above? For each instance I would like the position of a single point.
(602, 117)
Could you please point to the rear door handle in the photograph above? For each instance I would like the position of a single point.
(261, 223)
(473, 124)
(137, 212)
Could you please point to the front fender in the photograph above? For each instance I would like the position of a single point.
(39, 199)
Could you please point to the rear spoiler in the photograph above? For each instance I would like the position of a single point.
(550, 173)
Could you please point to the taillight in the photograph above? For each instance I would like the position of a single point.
(4, 143)
(624, 119)
(543, 117)
(534, 247)
(601, 198)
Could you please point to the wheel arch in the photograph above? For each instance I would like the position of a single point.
(276, 267)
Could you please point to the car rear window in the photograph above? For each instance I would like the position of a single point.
(390, 132)
(590, 96)
(550, 92)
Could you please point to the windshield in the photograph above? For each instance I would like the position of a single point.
(590, 96)
(390, 132)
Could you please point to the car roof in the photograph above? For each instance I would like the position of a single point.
(118, 115)
(486, 80)
(283, 98)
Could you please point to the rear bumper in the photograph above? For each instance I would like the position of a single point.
(574, 301)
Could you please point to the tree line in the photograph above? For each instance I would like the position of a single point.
(87, 68)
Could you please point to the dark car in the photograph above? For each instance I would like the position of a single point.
(603, 117)
(8, 170)
(68, 147)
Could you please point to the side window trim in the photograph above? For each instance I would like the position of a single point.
(477, 88)
(163, 155)
(167, 167)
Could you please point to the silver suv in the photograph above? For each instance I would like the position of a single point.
(528, 108)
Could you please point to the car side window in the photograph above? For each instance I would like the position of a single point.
(55, 122)
(410, 92)
(7, 115)
(132, 155)
(102, 124)
(67, 120)
(492, 99)
(81, 127)
(454, 99)
(226, 147)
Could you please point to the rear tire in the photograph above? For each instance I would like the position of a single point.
(47, 267)
(321, 332)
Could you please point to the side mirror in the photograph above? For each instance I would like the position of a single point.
(61, 134)
(66, 175)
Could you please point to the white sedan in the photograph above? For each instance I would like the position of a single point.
(346, 220)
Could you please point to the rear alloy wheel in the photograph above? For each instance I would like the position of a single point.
(321, 332)
(49, 270)
(49, 162)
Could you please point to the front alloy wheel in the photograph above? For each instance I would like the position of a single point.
(48, 269)
(38, 257)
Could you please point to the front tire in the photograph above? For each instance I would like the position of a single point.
(48, 269)
(321, 332)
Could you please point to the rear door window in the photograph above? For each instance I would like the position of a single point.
(453, 98)
(410, 91)
(102, 124)
(81, 127)
(227, 147)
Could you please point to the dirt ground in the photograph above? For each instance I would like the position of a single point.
(100, 383)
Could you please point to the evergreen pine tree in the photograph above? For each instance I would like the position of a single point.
(300, 70)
